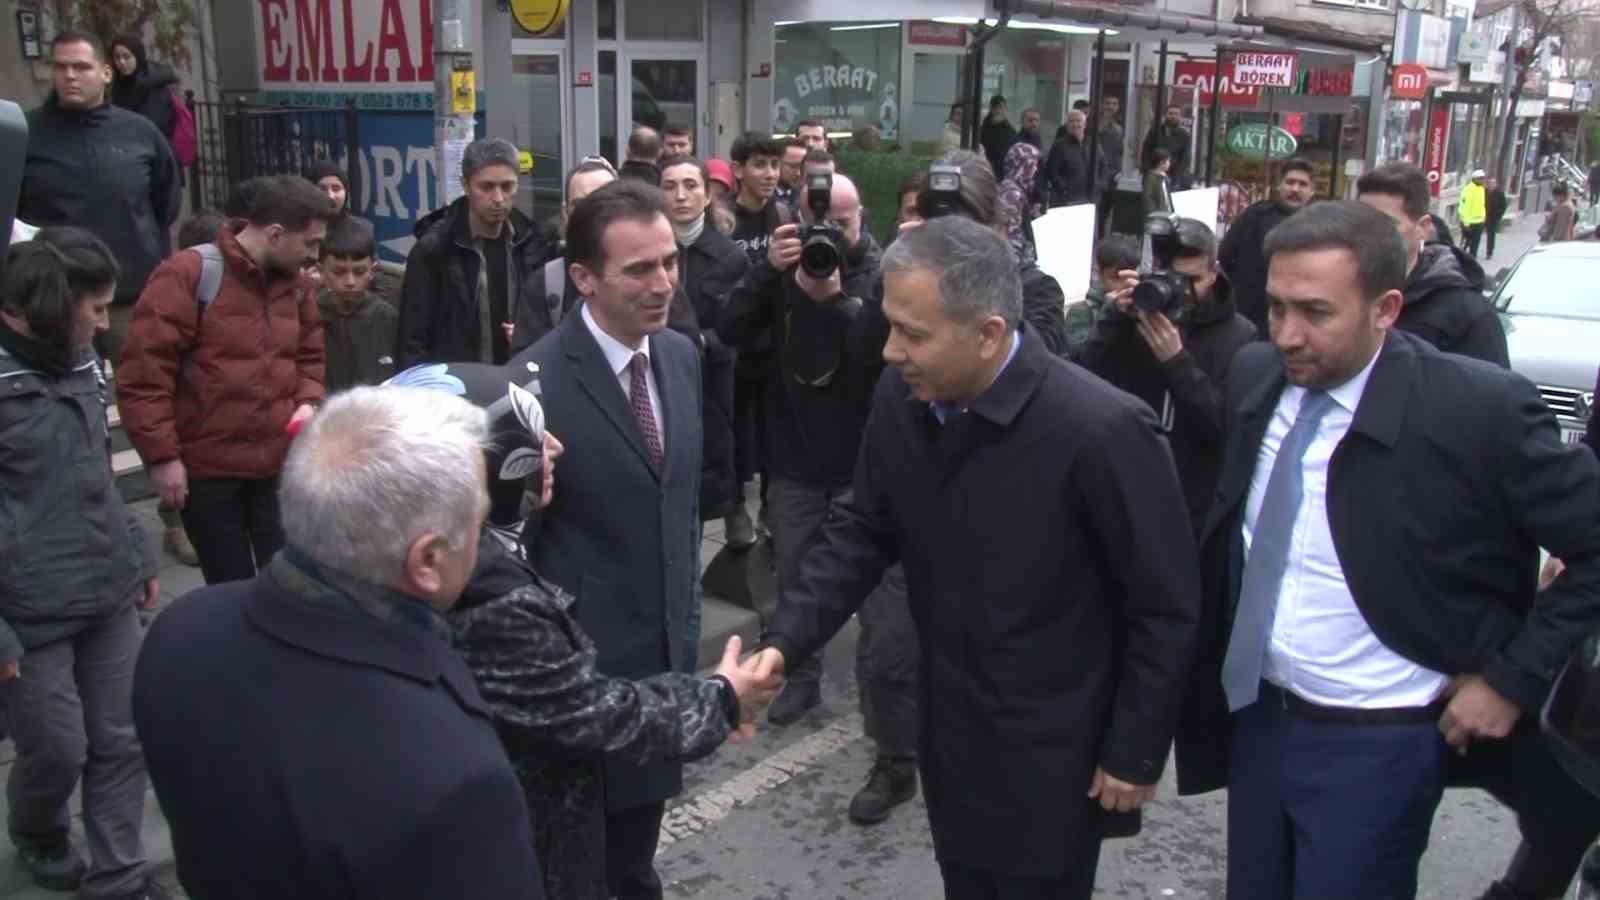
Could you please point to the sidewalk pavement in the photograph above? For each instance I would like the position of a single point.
(1511, 243)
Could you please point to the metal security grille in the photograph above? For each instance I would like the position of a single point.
(239, 139)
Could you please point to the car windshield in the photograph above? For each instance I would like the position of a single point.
(1554, 285)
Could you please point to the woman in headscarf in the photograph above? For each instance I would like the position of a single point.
(141, 86)
(329, 177)
(1019, 200)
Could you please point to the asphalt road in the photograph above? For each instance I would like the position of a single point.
(767, 821)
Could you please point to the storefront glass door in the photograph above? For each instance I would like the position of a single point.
(539, 77)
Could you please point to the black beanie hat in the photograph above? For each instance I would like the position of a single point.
(322, 168)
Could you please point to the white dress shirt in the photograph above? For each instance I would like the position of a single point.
(1322, 648)
(620, 356)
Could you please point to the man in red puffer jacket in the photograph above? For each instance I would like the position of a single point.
(215, 374)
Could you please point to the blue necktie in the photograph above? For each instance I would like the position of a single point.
(1269, 556)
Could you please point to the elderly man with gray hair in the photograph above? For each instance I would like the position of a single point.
(311, 732)
(1050, 571)
(470, 267)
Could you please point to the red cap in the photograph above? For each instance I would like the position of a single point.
(720, 171)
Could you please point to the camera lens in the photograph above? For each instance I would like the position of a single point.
(1160, 292)
(819, 255)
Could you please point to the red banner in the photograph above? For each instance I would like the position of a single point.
(1197, 74)
(1433, 155)
(936, 34)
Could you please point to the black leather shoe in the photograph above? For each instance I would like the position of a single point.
(792, 703)
(53, 865)
(890, 783)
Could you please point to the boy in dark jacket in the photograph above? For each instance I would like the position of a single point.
(358, 326)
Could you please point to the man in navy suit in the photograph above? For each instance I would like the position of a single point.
(1371, 570)
(622, 531)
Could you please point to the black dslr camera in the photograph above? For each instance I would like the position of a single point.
(821, 242)
(943, 195)
(1162, 290)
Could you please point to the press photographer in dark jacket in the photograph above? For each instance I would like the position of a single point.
(819, 392)
(1444, 302)
(472, 262)
(103, 168)
(1178, 362)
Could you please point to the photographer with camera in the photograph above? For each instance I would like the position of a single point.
(1167, 337)
(808, 293)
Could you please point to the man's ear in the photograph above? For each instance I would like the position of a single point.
(1388, 308)
(423, 574)
(586, 280)
(993, 331)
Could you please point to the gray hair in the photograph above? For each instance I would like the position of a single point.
(977, 276)
(488, 152)
(378, 468)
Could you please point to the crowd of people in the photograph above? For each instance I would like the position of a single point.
(1279, 504)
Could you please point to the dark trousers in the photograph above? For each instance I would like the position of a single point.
(1489, 230)
(967, 883)
(1328, 811)
(1559, 820)
(234, 526)
(795, 513)
(887, 659)
(749, 414)
(631, 836)
(71, 716)
(1470, 235)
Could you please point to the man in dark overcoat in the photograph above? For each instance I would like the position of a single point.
(1050, 573)
(622, 532)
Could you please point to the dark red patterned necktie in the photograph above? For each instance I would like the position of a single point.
(639, 396)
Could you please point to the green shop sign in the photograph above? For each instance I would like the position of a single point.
(1250, 141)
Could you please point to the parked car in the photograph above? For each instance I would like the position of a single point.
(1549, 302)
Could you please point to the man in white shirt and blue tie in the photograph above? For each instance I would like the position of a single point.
(1371, 570)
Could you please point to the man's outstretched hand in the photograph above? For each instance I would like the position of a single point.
(755, 687)
(1116, 795)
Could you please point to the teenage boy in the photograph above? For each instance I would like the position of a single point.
(359, 326)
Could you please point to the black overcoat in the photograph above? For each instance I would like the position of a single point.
(1052, 577)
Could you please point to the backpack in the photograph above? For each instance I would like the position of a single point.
(210, 283)
(206, 289)
(185, 141)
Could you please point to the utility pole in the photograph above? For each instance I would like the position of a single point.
(455, 97)
(1508, 114)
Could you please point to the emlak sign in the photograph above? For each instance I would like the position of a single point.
(354, 42)
(377, 54)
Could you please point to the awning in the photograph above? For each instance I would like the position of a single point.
(1157, 25)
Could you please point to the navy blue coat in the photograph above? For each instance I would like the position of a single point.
(303, 751)
(620, 536)
(1450, 479)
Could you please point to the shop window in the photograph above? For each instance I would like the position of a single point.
(607, 88)
(606, 19)
(1026, 67)
(1401, 139)
(847, 74)
(664, 20)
